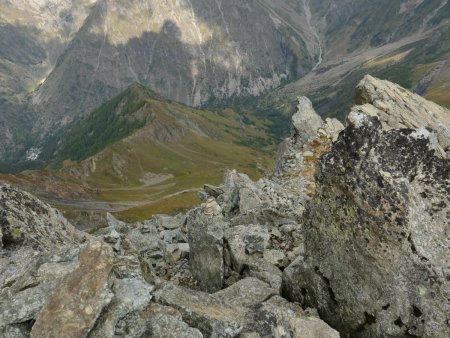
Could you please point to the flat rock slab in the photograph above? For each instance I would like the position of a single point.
(210, 315)
(78, 299)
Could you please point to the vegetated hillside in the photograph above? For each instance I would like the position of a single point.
(403, 41)
(139, 154)
(81, 55)
(59, 60)
(422, 66)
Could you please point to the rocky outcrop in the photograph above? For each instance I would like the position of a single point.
(376, 232)
(297, 156)
(398, 108)
(26, 221)
(205, 231)
(129, 280)
(38, 247)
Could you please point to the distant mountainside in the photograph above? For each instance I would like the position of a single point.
(60, 60)
(407, 42)
(139, 154)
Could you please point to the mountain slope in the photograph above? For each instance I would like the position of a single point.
(59, 60)
(189, 51)
(402, 41)
(139, 154)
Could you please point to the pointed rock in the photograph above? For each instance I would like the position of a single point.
(397, 108)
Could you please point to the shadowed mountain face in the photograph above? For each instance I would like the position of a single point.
(59, 59)
(70, 59)
(185, 56)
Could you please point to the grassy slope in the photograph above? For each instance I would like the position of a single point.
(190, 147)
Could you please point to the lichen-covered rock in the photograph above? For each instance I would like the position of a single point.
(123, 315)
(38, 247)
(306, 121)
(247, 292)
(27, 278)
(298, 154)
(398, 108)
(79, 297)
(377, 235)
(205, 232)
(276, 317)
(27, 221)
(165, 321)
(209, 314)
(356, 218)
(249, 308)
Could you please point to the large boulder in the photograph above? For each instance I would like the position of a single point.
(27, 279)
(398, 108)
(38, 247)
(27, 221)
(377, 234)
(206, 226)
(79, 297)
(55, 280)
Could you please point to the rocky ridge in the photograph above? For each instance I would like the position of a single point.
(350, 232)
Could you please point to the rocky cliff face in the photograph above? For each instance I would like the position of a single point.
(376, 234)
(350, 231)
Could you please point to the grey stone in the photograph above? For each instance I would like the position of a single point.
(37, 224)
(376, 235)
(114, 222)
(213, 191)
(205, 312)
(248, 199)
(168, 222)
(173, 236)
(274, 257)
(265, 271)
(276, 317)
(205, 233)
(245, 240)
(80, 296)
(306, 121)
(164, 321)
(131, 297)
(399, 108)
(246, 292)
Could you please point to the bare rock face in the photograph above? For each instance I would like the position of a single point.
(166, 321)
(377, 256)
(251, 229)
(38, 247)
(398, 108)
(26, 221)
(297, 156)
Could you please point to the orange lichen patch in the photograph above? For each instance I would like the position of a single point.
(311, 155)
